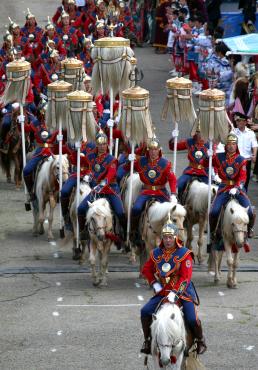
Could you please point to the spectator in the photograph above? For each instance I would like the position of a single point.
(247, 143)
(242, 101)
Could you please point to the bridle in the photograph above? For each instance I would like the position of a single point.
(95, 228)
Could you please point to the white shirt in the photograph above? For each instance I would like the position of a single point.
(246, 141)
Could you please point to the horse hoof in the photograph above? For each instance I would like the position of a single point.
(103, 284)
(9, 180)
(216, 281)
(231, 286)
(41, 232)
(81, 261)
(96, 283)
(77, 254)
(35, 233)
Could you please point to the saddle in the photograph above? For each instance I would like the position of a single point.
(183, 196)
(144, 220)
(36, 172)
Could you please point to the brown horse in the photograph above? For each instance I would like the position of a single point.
(12, 154)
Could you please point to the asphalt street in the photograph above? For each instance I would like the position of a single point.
(52, 318)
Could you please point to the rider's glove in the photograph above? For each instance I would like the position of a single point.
(173, 198)
(216, 179)
(110, 123)
(98, 188)
(157, 287)
(175, 133)
(172, 297)
(233, 191)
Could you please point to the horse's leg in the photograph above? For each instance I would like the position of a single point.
(42, 206)
(83, 252)
(235, 266)
(230, 283)
(202, 224)
(104, 265)
(92, 259)
(216, 265)
(189, 231)
(52, 205)
(16, 171)
(35, 209)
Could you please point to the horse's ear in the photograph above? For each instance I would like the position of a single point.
(89, 204)
(214, 191)
(172, 316)
(154, 317)
(174, 208)
(231, 211)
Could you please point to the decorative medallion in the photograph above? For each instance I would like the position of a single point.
(166, 267)
(97, 167)
(230, 170)
(152, 174)
(198, 154)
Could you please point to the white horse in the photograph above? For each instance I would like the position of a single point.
(196, 205)
(156, 217)
(99, 222)
(168, 338)
(46, 191)
(85, 189)
(234, 231)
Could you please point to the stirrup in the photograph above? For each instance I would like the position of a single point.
(250, 233)
(201, 346)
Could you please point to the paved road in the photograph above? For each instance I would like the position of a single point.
(52, 318)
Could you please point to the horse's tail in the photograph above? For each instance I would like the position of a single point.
(5, 161)
(193, 362)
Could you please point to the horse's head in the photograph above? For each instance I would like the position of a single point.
(99, 219)
(239, 224)
(177, 216)
(65, 167)
(168, 335)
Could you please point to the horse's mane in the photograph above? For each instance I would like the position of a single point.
(159, 211)
(100, 207)
(198, 196)
(166, 326)
(234, 212)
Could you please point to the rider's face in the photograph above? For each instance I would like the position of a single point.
(169, 241)
(231, 147)
(102, 148)
(154, 153)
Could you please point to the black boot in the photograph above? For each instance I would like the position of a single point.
(29, 182)
(199, 338)
(83, 230)
(134, 233)
(65, 212)
(146, 323)
(122, 226)
(251, 225)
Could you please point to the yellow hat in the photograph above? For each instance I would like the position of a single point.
(154, 143)
(232, 138)
(169, 229)
(101, 137)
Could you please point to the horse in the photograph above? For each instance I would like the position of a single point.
(234, 231)
(172, 346)
(85, 189)
(13, 155)
(155, 218)
(47, 191)
(196, 204)
(168, 337)
(99, 221)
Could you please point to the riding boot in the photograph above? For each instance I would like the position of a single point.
(122, 232)
(29, 182)
(65, 212)
(134, 234)
(146, 323)
(199, 338)
(250, 231)
(83, 229)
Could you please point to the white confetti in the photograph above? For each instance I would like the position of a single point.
(56, 255)
(212, 273)
(140, 298)
(60, 299)
(221, 293)
(53, 350)
(59, 332)
(230, 316)
(58, 283)
(52, 243)
(249, 348)
(139, 355)
(137, 285)
(55, 313)
(46, 221)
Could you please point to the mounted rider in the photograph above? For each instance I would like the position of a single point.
(169, 272)
(45, 148)
(103, 167)
(231, 168)
(68, 186)
(155, 172)
(198, 166)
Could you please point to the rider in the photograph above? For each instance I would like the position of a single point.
(169, 272)
(45, 141)
(231, 167)
(198, 160)
(68, 186)
(103, 167)
(155, 172)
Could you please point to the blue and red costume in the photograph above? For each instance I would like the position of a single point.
(198, 161)
(232, 171)
(177, 279)
(68, 186)
(154, 175)
(103, 170)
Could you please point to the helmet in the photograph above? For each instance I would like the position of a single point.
(154, 143)
(29, 14)
(64, 14)
(169, 229)
(49, 25)
(232, 138)
(101, 138)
